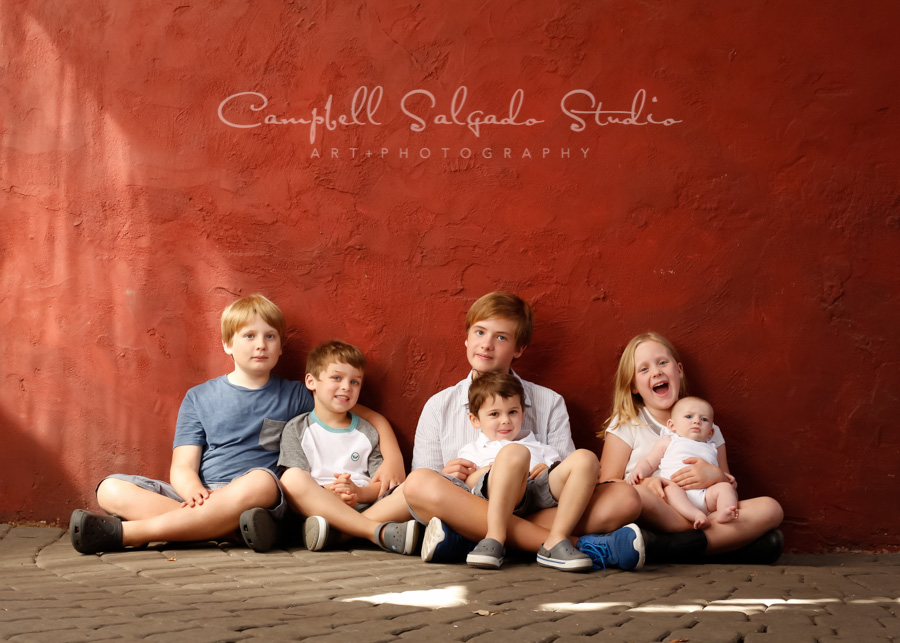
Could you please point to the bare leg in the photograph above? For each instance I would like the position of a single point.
(679, 501)
(216, 517)
(506, 485)
(722, 498)
(758, 515)
(130, 502)
(430, 494)
(611, 506)
(308, 497)
(572, 483)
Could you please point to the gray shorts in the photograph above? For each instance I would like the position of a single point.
(537, 494)
(166, 489)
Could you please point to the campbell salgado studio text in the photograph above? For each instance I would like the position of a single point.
(246, 110)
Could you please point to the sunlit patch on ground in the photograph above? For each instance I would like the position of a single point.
(433, 598)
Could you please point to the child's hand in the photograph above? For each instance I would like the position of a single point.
(459, 468)
(344, 488)
(538, 470)
(732, 480)
(197, 498)
(388, 475)
(634, 478)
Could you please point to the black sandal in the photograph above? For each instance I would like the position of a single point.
(92, 533)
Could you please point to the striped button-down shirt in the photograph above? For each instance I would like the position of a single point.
(444, 425)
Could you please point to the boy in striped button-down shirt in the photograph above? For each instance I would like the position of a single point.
(499, 326)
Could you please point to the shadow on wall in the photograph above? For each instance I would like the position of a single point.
(29, 471)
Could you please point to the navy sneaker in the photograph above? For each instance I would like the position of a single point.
(623, 548)
(443, 545)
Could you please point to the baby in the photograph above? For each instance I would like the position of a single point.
(692, 423)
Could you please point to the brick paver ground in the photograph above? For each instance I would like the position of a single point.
(208, 593)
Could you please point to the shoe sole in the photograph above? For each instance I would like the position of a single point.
(483, 562)
(315, 533)
(413, 529)
(434, 536)
(638, 544)
(258, 529)
(566, 565)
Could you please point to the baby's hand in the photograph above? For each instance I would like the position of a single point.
(538, 470)
(634, 478)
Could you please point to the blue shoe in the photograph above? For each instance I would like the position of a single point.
(623, 548)
(443, 545)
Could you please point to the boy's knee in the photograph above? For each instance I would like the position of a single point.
(585, 459)
(422, 487)
(294, 478)
(112, 494)
(256, 489)
(513, 455)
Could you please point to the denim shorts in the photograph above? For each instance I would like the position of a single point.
(166, 489)
(537, 494)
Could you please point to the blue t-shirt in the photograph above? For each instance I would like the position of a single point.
(238, 428)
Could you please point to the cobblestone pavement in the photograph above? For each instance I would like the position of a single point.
(49, 592)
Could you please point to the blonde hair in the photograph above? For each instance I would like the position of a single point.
(627, 405)
(507, 306)
(243, 311)
(334, 352)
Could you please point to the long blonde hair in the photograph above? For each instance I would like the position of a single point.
(627, 405)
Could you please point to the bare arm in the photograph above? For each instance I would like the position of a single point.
(184, 474)
(391, 472)
(614, 458)
(646, 467)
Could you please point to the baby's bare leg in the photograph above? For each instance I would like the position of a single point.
(572, 483)
(722, 498)
(679, 501)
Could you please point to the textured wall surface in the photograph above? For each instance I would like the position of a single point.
(759, 232)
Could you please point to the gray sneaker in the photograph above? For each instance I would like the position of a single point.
(564, 556)
(488, 554)
(398, 537)
(318, 534)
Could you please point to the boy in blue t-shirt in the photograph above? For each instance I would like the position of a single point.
(330, 454)
(225, 451)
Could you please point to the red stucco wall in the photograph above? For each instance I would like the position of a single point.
(760, 232)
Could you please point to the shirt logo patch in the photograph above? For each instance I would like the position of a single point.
(354, 456)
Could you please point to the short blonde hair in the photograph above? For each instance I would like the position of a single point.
(507, 306)
(243, 311)
(334, 352)
(493, 384)
(627, 405)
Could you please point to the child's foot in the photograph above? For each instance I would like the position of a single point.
(700, 521)
(93, 533)
(727, 514)
(318, 534)
(398, 537)
(563, 555)
(623, 548)
(258, 529)
(488, 554)
(443, 545)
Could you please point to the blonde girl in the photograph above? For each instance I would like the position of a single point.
(649, 380)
